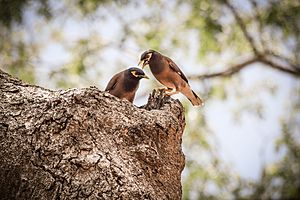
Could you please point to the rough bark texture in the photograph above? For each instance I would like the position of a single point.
(87, 144)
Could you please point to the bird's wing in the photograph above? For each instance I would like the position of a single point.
(175, 68)
(112, 83)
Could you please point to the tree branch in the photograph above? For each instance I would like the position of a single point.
(277, 66)
(238, 67)
(242, 26)
(228, 72)
(285, 59)
(262, 57)
(259, 20)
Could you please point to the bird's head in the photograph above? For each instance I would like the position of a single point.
(145, 58)
(137, 73)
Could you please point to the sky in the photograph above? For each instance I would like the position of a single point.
(250, 143)
(247, 144)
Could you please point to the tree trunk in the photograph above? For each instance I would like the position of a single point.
(87, 144)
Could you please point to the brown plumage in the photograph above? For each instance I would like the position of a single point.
(125, 83)
(168, 73)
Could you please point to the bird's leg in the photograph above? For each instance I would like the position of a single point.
(170, 91)
(164, 89)
(161, 88)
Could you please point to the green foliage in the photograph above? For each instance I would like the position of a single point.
(16, 56)
(154, 39)
(204, 17)
(218, 92)
(284, 15)
(11, 10)
(279, 180)
(89, 6)
(206, 176)
(70, 73)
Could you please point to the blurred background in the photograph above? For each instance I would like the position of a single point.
(241, 56)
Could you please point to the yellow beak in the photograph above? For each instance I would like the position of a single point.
(146, 77)
(141, 62)
(144, 63)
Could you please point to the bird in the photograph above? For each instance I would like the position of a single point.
(169, 74)
(125, 83)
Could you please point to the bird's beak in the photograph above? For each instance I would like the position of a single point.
(145, 62)
(141, 62)
(146, 77)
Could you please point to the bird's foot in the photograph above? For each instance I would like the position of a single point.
(162, 88)
(170, 91)
(165, 89)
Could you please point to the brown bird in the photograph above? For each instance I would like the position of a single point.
(125, 83)
(168, 73)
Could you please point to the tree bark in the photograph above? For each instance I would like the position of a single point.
(87, 144)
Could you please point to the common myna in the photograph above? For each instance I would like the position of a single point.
(169, 74)
(125, 83)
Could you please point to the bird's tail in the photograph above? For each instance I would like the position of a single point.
(193, 97)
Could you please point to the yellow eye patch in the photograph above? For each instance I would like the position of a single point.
(134, 73)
